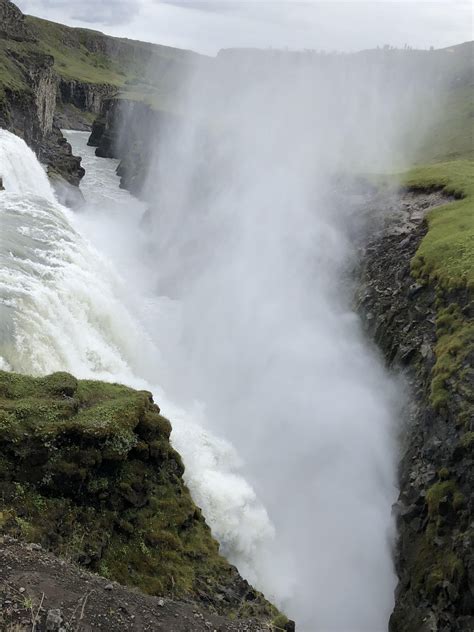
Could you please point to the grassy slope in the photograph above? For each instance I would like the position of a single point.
(78, 56)
(452, 139)
(12, 75)
(445, 257)
(141, 71)
(446, 254)
(88, 471)
(72, 60)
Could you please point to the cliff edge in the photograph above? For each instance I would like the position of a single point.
(88, 473)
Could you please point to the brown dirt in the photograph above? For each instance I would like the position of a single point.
(34, 583)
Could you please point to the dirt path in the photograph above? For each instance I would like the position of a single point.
(39, 593)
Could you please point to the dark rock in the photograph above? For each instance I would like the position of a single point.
(87, 97)
(72, 481)
(66, 193)
(126, 130)
(435, 508)
(12, 23)
(53, 620)
(28, 110)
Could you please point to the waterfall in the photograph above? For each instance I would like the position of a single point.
(289, 380)
(252, 236)
(21, 171)
(64, 307)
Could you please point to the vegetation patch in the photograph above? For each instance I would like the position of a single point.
(443, 491)
(87, 471)
(446, 254)
(445, 260)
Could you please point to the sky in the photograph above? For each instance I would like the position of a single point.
(209, 25)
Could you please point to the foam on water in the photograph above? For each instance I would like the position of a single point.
(64, 307)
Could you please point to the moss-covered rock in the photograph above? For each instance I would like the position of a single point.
(422, 320)
(87, 470)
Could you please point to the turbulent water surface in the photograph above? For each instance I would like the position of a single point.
(64, 307)
(287, 379)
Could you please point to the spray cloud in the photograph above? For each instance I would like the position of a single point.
(253, 238)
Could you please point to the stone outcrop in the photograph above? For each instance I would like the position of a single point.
(408, 318)
(28, 96)
(39, 589)
(87, 471)
(12, 23)
(88, 97)
(125, 130)
(39, 95)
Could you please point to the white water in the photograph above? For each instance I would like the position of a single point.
(281, 369)
(64, 306)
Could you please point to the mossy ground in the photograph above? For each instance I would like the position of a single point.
(438, 558)
(445, 260)
(78, 56)
(72, 60)
(144, 72)
(446, 254)
(437, 564)
(87, 470)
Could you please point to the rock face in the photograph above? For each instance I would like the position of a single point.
(85, 96)
(87, 471)
(41, 94)
(409, 319)
(123, 131)
(28, 95)
(74, 599)
(12, 23)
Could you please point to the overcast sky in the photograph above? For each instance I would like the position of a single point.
(207, 26)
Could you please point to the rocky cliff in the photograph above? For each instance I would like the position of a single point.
(125, 130)
(54, 77)
(87, 471)
(425, 329)
(12, 23)
(28, 89)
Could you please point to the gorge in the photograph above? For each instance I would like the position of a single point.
(256, 247)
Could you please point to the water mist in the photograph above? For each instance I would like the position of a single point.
(231, 299)
(251, 239)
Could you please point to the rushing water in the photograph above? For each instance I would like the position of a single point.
(64, 307)
(76, 295)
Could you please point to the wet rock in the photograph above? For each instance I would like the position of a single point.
(66, 193)
(53, 620)
(76, 476)
(435, 509)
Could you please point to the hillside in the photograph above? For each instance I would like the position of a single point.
(89, 62)
(53, 76)
(87, 471)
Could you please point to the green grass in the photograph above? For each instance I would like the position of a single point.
(156, 99)
(12, 72)
(91, 57)
(141, 72)
(72, 60)
(445, 260)
(446, 254)
(88, 471)
(451, 138)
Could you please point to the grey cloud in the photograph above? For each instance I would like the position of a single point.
(208, 25)
(107, 13)
(211, 7)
